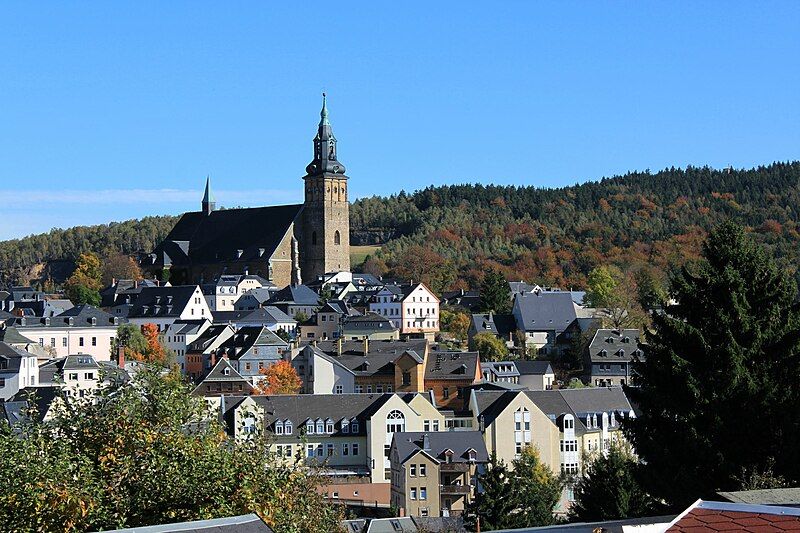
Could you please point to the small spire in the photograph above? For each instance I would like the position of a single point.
(324, 113)
(208, 199)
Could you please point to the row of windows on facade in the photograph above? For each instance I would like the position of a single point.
(320, 427)
(316, 450)
(64, 341)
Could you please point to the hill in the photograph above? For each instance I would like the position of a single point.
(450, 235)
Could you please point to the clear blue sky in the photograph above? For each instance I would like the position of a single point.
(114, 110)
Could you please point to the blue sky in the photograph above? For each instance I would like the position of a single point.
(115, 110)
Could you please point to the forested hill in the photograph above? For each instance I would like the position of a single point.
(557, 236)
(449, 235)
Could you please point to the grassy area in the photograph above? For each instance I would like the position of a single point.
(359, 253)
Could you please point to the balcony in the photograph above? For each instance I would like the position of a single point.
(454, 467)
(454, 490)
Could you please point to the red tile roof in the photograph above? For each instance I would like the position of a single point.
(717, 516)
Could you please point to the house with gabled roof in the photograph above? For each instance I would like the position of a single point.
(223, 380)
(18, 369)
(611, 357)
(412, 308)
(434, 474)
(250, 350)
(164, 305)
(199, 352)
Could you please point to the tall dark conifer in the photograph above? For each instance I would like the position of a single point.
(719, 392)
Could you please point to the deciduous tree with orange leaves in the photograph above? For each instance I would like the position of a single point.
(279, 378)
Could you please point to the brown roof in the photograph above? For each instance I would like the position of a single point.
(718, 516)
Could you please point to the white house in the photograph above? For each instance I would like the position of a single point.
(321, 373)
(163, 306)
(84, 329)
(413, 309)
(18, 369)
(228, 288)
(180, 334)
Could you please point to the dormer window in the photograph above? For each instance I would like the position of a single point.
(279, 427)
(354, 426)
(287, 427)
(310, 427)
(320, 426)
(472, 455)
(227, 371)
(329, 426)
(345, 426)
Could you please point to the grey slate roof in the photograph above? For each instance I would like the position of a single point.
(367, 322)
(55, 368)
(162, 302)
(502, 325)
(296, 295)
(787, 496)
(80, 316)
(451, 365)
(533, 368)
(249, 523)
(202, 343)
(11, 335)
(198, 238)
(609, 345)
(298, 408)
(380, 354)
(459, 442)
(546, 311)
(246, 338)
(263, 315)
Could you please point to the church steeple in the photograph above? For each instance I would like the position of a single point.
(208, 199)
(325, 153)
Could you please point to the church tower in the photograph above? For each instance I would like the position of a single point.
(325, 244)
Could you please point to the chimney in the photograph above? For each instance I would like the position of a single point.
(426, 442)
(339, 343)
(314, 343)
(121, 357)
(366, 345)
(213, 357)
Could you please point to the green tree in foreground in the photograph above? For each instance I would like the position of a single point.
(609, 489)
(495, 293)
(490, 347)
(723, 361)
(147, 453)
(524, 496)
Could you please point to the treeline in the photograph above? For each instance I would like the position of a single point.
(451, 235)
(18, 256)
(557, 236)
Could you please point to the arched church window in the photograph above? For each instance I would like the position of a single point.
(313, 238)
(337, 238)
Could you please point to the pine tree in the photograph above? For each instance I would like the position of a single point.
(494, 499)
(720, 386)
(495, 293)
(609, 489)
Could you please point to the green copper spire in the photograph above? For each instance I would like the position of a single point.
(324, 113)
(208, 204)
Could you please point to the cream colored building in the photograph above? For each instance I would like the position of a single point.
(349, 434)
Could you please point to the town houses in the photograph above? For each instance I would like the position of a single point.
(357, 376)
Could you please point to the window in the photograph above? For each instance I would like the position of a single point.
(345, 448)
(80, 341)
(279, 450)
(423, 470)
(73, 376)
(94, 341)
(64, 342)
(395, 422)
(287, 427)
(329, 426)
(339, 389)
(319, 450)
(413, 493)
(412, 470)
(406, 378)
(337, 239)
(369, 389)
(345, 426)
(355, 448)
(330, 449)
(379, 389)
(309, 450)
(426, 425)
(88, 375)
(522, 429)
(569, 423)
(320, 427)
(309, 428)
(247, 367)
(354, 426)
(436, 425)
(279, 428)
(423, 511)
(423, 493)
(287, 450)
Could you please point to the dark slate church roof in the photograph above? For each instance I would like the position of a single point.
(200, 239)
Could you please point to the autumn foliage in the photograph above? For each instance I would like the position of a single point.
(279, 378)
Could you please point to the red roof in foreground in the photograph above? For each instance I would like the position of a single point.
(718, 516)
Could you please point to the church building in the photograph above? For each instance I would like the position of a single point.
(286, 244)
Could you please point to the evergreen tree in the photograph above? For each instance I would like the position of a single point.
(495, 293)
(720, 364)
(609, 489)
(524, 496)
(495, 498)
